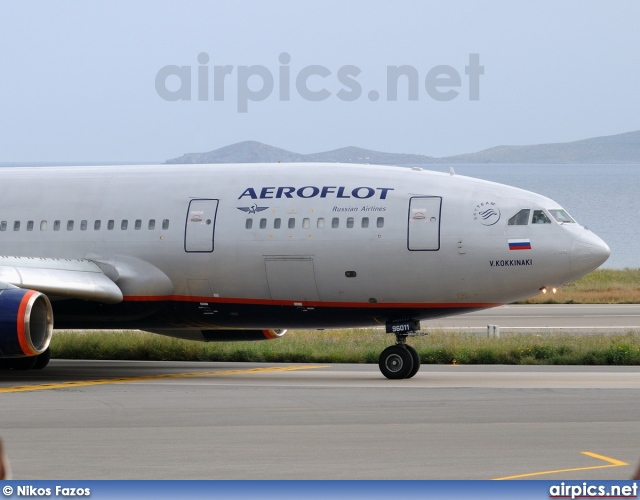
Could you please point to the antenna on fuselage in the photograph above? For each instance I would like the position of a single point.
(452, 171)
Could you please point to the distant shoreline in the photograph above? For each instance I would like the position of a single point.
(426, 166)
(606, 150)
(620, 149)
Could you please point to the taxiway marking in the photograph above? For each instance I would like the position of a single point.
(84, 383)
(612, 463)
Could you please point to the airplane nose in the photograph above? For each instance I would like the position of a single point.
(588, 252)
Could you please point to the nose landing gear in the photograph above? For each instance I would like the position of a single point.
(400, 360)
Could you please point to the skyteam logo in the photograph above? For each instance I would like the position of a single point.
(487, 213)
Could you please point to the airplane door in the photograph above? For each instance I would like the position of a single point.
(424, 223)
(200, 226)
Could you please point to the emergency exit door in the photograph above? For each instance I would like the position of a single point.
(424, 223)
(200, 226)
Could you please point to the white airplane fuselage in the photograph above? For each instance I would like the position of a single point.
(196, 248)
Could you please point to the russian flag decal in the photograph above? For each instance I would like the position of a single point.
(520, 244)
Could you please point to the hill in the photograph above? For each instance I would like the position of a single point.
(256, 152)
(620, 148)
(242, 152)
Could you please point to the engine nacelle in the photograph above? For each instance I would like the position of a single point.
(26, 323)
(240, 335)
(227, 335)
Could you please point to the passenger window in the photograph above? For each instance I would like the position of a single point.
(349, 222)
(96, 225)
(561, 216)
(320, 223)
(138, 224)
(3, 225)
(43, 225)
(292, 223)
(248, 224)
(305, 223)
(30, 225)
(56, 225)
(165, 224)
(152, 224)
(110, 225)
(335, 222)
(380, 222)
(520, 219)
(539, 217)
(277, 223)
(83, 225)
(263, 223)
(69, 225)
(365, 222)
(124, 224)
(16, 225)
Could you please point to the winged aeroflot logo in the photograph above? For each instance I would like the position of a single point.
(253, 209)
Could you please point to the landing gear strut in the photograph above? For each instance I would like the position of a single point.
(400, 360)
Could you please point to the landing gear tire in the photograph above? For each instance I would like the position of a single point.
(42, 359)
(396, 362)
(416, 361)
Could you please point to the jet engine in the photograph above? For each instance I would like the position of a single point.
(26, 323)
(240, 335)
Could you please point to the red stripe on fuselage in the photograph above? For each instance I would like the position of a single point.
(291, 303)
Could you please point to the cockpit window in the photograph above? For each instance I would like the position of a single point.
(539, 217)
(521, 218)
(561, 216)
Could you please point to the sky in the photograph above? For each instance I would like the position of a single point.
(145, 81)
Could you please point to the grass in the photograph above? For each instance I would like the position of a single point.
(358, 346)
(602, 286)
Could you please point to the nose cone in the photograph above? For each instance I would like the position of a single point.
(588, 252)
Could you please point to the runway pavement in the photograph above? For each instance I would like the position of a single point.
(174, 420)
(574, 318)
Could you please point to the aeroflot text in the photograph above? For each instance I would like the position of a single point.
(360, 193)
